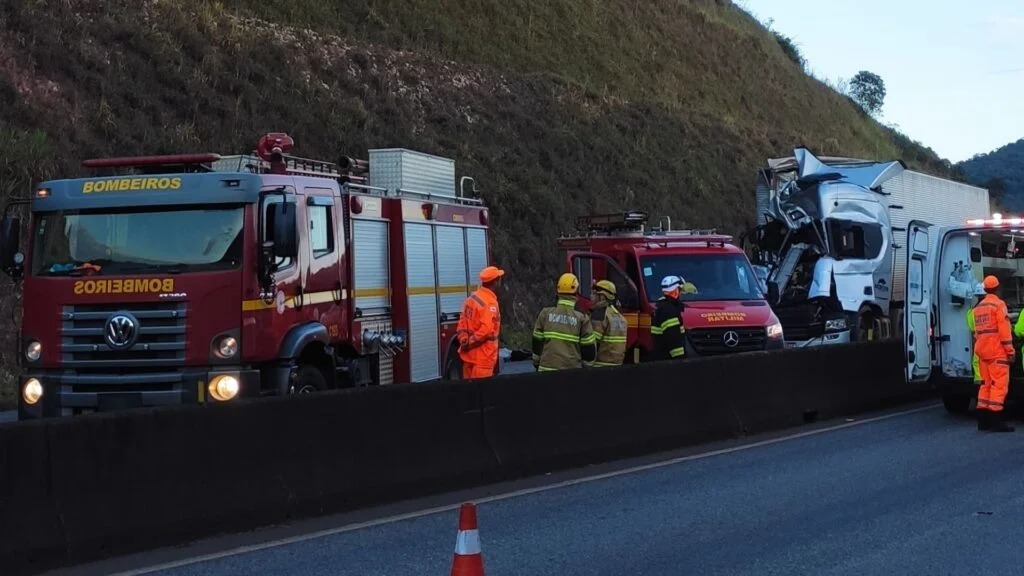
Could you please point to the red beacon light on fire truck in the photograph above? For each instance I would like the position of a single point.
(997, 219)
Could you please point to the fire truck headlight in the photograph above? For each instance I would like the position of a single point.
(32, 391)
(33, 351)
(224, 387)
(775, 331)
(227, 347)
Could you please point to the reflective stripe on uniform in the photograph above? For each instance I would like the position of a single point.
(676, 352)
(559, 336)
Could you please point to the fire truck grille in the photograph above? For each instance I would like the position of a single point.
(149, 336)
(714, 341)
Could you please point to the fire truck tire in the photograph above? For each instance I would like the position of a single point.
(309, 379)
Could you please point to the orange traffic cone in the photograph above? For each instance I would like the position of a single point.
(468, 561)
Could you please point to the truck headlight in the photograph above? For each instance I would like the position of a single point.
(224, 387)
(33, 351)
(775, 331)
(837, 325)
(227, 347)
(32, 391)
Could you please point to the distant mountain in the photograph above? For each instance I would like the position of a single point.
(1002, 172)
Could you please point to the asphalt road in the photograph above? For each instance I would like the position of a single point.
(908, 493)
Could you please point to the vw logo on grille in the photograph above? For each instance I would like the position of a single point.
(121, 331)
(731, 338)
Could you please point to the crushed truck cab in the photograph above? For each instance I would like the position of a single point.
(201, 278)
(727, 311)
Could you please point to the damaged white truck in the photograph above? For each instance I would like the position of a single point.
(832, 234)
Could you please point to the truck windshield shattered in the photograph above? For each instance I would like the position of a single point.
(141, 241)
(715, 276)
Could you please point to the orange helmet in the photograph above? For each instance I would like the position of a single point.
(991, 282)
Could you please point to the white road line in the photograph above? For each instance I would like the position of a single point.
(507, 495)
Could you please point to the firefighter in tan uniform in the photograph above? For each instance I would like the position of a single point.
(562, 336)
(609, 326)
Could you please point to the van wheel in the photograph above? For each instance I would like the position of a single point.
(309, 379)
(956, 403)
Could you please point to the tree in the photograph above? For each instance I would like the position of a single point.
(996, 189)
(868, 90)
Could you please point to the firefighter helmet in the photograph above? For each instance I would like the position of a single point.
(670, 284)
(568, 284)
(605, 286)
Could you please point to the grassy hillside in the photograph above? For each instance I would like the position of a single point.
(555, 107)
(1002, 171)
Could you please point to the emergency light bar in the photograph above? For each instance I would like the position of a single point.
(607, 222)
(996, 220)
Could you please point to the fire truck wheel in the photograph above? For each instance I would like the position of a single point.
(309, 379)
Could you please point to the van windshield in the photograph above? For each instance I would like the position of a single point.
(137, 241)
(715, 276)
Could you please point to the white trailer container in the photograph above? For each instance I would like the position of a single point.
(940, 202)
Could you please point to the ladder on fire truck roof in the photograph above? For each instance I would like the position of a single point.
(271, 157)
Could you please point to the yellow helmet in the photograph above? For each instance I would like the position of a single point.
(605, 286)
(568, 284)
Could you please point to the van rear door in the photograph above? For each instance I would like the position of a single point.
(918, 301)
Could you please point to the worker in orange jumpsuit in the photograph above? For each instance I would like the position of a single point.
(479, 326)
(993, 343)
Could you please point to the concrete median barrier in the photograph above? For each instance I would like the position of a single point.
(83, 488)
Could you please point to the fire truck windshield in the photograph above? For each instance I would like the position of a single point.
(137, 241)
(715, 276)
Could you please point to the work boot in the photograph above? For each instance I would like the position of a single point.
(984, 419)
(998, 425)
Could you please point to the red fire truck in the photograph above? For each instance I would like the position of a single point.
(203, 278)
(728, 313)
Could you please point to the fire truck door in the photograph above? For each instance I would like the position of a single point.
(424, 316)
(323, 290)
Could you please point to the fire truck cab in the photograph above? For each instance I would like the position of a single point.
(199, 278)
(727, 313)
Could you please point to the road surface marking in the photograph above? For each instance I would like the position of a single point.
(507, 496)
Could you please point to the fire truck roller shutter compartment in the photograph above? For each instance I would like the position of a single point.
(476, 253)
(370, 276)
(451, 269)
(423, 313)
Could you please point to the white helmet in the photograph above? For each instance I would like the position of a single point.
(979, 290)
(670, 283)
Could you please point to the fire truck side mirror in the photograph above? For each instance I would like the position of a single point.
(284, 231)
(10, 238)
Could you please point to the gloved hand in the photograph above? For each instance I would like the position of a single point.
(536, 362)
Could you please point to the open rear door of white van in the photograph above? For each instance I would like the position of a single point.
(918, 301)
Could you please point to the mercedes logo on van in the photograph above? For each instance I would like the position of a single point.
(121, 331)
(731, 338)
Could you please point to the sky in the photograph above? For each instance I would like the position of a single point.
(953, 69)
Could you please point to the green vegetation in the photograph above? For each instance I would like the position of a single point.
(557, 108)
(1002, 172)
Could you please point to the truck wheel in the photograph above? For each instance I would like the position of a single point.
(956, 403)
(309, 379)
